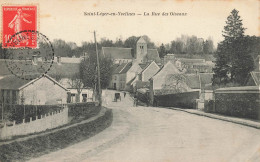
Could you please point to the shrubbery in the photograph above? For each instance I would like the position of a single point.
(245, 105)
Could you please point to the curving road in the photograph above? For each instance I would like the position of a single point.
(157, 134)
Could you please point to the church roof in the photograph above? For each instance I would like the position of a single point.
(152, 54)
(117, 53)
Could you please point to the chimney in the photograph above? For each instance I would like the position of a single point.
(34, 59)
(58, 60)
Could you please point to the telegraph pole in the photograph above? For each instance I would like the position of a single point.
(98, 73)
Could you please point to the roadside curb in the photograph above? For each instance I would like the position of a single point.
(235, 120)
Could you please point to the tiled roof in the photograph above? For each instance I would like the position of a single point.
(126, 68)
(191, 61)
(14, 83)
(152, 54)
(256, 77)
(63, 69)
(190, 56)
(166, 69)
(117, 53)
(69, 60)
(122, 68)
(143, 65)
(119, 68)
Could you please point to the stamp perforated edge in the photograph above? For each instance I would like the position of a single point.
(25, 4)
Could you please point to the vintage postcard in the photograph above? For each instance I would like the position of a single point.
(123, 80)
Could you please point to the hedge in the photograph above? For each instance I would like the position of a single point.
(82, 110)
(39, 145)
(182, 100)
(245, 105)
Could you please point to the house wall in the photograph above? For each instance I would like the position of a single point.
(122, 81)
(115, 80)
(150, 71)
(132, 72)
(88, 92)
(43, 91)
(159, 78)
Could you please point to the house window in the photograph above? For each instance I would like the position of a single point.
(73, 94)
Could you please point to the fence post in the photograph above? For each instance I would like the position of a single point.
(2, 111)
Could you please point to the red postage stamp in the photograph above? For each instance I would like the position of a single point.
(16, 20)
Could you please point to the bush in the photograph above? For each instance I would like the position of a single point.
(209, 106)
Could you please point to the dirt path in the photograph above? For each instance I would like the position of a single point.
(156, 134)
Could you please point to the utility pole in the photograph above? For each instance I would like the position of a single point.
(98, 73)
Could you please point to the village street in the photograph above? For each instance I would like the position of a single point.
(158, 134)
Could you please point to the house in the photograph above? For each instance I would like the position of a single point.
(76, 90)
(148, 71)
(118, 55)
(39, 91)
(158, 79)
(119, 76)
(190, 65)
(142, 77)
(141, 54)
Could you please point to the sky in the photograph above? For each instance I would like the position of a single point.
(60, 19)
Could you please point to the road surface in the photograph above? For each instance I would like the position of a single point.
(157, 134)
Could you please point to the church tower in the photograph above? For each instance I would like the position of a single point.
(141, 50)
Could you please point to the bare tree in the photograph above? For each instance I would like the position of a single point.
(76, 82)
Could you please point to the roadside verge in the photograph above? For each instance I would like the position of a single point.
(245, 122)
(57, 139)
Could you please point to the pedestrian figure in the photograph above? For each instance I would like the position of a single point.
(124, 94)
(135, 102)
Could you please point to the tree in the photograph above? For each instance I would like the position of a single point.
(162, 51)
(208, 47)
(234, 26)
(88, 71)
(62, 48)
(76, 81)
(233, 59)
(176, 83)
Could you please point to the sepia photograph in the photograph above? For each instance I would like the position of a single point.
(130, 81)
